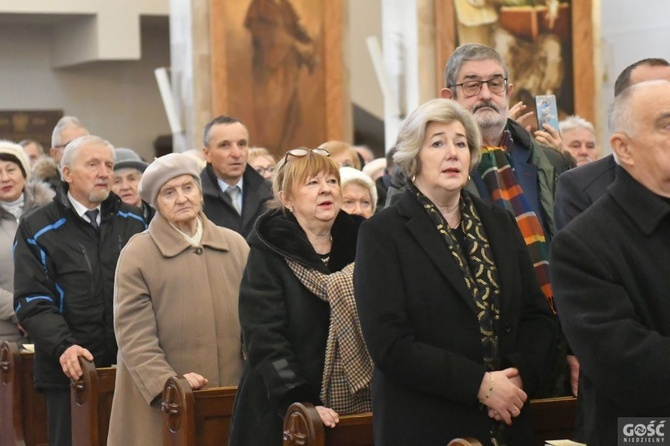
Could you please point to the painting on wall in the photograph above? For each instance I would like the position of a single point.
(547, 45)
(277, 66)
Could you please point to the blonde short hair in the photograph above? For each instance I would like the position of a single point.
(292, 171)
(337, 148)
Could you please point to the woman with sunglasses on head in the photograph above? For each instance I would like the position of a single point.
(298, 317)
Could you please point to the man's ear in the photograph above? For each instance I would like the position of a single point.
(510, 90)
(446, 93)
(205, 152)
(621, 146)
(67, 174)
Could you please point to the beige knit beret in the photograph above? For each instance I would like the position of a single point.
(162, 170)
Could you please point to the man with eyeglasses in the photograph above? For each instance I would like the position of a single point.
(235, 194)
(67, 129)
(477, 77)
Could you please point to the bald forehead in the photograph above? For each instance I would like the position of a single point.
(645, 73)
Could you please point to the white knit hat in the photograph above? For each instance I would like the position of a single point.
(17, 152)
(162, 170)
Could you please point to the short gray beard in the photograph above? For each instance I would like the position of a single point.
(98, 197)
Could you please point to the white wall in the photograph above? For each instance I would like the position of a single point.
(117, 100)
(631, 30)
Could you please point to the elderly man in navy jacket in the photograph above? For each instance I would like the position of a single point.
(610, 272)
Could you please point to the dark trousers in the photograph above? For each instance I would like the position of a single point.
(59, 417)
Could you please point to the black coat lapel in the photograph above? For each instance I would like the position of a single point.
(421, 228)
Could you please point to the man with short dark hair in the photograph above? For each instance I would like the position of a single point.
(577, 189)
(610, 274)
(235, 194)
(67, 251)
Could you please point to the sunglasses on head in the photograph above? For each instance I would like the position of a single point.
(300, 152)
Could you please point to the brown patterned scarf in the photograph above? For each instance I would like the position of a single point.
(347, 371)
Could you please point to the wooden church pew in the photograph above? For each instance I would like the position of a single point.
(23, 411)
(196, 417)
(91, 401)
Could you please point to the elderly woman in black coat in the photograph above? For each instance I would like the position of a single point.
(297, 310)
(451, 310)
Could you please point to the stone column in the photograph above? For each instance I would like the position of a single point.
(190, 69)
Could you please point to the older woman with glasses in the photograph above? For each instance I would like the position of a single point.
(359, 192)
(455, 321)
(298, 317)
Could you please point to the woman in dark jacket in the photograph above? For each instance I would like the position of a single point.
(299, 268)
(451, 310)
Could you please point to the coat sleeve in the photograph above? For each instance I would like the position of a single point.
(570, 201)
(389, 331)
(265, 331)
(135, 325)
(37, 298)
(6, 304)
(623, 358)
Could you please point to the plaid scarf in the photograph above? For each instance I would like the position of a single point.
(496, 171)
(347, 371)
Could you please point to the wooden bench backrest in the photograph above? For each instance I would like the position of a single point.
(23, 411)
(303, 427)
(553, 418)
(196, 417)
(91, 401)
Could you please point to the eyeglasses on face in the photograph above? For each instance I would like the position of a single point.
(262, 170)
(496, 85)
(300, 152)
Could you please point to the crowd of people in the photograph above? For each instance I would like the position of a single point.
(440, 288)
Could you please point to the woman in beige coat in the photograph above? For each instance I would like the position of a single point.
(175, 302)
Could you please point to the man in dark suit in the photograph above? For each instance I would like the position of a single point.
(235, 194)
(579, 188)
(610, 274)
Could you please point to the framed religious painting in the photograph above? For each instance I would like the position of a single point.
(278, 66)
(547, 45)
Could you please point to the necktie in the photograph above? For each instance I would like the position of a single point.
(93, 216)
(234, 192)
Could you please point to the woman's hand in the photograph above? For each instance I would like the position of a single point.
(328, 416)
(549, 137)
(501, 395)
(515, 114)
(195, 380)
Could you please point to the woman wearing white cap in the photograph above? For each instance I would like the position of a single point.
(17, 196)
(175, 302)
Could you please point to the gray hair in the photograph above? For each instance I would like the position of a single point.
(72, 150)
(64, 123)
(575, 122)
(413, 132)
(620, 114)
(466, 53)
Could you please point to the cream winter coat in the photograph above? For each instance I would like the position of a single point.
(175, 312)
(35, 195)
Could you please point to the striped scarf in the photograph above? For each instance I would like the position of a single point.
(347, 371)
(496, 171)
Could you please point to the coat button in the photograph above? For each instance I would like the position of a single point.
(508, 328)
(198, 251)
